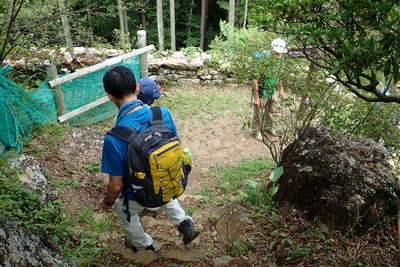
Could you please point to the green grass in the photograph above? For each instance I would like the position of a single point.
(93, 168)
(238, 249)
(242, 173)
(62, 184)
(99, 224)
(244, 182)
(207, 193)
(190, 210)
(207, 103)
(47, 220)
(53, 133)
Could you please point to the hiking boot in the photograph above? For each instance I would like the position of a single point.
(188, 230)
(134, 249)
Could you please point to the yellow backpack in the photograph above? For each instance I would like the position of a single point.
(159, 168)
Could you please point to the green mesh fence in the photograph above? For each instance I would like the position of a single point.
(22, 111)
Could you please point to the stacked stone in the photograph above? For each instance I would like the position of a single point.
(182, 69)
(176, 68)
(68, 59)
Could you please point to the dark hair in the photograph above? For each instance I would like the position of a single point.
(119, 82)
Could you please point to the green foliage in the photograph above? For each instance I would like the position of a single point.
(207, 193)
(274, 178)
(246, 181)
(238, 249)
(100, 223)
(47, 220)
(190, 210)
(26, 208)
(360, 119)
(96, 23)
(236, 46)
(276, 174)
(357, 40)
(236, 175)
(191, 51)
(29, 78)
(93, 168)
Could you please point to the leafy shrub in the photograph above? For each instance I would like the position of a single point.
(236, 46)
(26, 208)
(360, 119)
(46, 220)
(191, 51)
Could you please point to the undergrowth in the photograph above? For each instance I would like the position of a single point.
(246, 182)
(72, 236)
(284, 236)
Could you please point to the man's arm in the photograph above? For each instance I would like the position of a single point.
(280, 89)
(256, 97)
(169, 122)
(113, 189)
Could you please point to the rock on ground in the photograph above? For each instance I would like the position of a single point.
(32, 177)
(232, 225)
(186, 255)
(21, 248)
(144, 257)
(223, 261)
(348, 184)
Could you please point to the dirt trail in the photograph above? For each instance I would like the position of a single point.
(219, 140)
(223, 143)
(209, 121)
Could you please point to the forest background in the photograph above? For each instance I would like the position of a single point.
(95, 23)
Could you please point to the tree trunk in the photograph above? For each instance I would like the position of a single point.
(202, 23)
(65, 23)
(160, 25)
(232, 12)
(303, 107)
(172, 23)
(144, 22)
(90, 23)
(126, 28)
(121, 22)
(246, 7)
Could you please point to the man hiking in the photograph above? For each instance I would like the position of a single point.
(264, 87)
(121, 196)
(149, 91)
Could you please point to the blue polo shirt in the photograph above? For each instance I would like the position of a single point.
(115, 150)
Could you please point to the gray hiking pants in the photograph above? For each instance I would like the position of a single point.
(134, 231)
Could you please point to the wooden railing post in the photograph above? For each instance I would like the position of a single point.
(144, 68)
(52, 74)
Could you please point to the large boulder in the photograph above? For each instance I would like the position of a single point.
(22, 248)
(348, 184)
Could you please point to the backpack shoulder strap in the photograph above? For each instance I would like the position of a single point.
(157, 116)
(123, 133)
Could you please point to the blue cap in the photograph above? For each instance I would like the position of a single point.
(149, 91)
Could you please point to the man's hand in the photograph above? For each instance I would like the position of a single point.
(281, 93)
(256, 101)
(104, 207)
(113, 189)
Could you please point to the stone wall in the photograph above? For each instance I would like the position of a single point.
(180, 68)
(176, 67)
